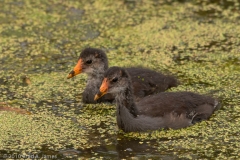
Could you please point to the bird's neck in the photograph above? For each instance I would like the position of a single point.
(93, 83)
(95, 78)
(127, 112)
(97, 73)
(126, 99)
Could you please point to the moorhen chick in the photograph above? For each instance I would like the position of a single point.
(163, 110)
(94, 63)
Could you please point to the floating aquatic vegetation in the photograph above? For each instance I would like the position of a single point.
(40, 41)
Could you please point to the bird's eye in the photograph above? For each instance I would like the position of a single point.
(89, 61)
(115, 79)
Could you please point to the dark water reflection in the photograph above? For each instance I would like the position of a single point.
(122, 149)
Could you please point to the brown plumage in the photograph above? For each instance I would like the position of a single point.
(94, 63)
(163, 110)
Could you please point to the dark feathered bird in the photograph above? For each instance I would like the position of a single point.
(94, 63)
(163, 110)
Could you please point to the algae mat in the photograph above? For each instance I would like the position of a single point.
(40, 42)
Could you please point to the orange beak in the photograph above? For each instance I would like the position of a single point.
(76, 70)
(103, 89)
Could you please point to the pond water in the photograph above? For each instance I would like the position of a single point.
(41, 112)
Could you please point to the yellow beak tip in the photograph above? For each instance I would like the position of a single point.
(96, 97)
(69, 76)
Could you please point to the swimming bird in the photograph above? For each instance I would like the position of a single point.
(94, 63)
(163, 110)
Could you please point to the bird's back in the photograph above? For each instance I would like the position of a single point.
(146, 82)
(177, 102)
